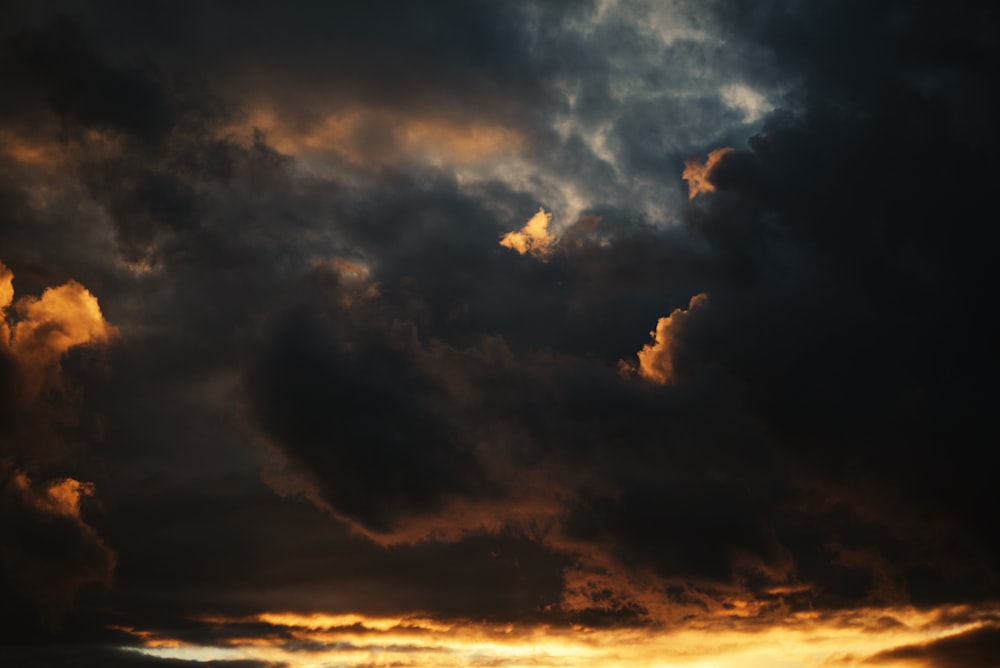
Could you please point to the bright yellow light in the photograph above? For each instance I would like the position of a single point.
(802, 640)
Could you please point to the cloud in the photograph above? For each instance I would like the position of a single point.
(350, 639)
(48, 551)
(977, 648)
(699, 176)
(46, 327)
(62, 318)
(6, 287)
(534, 238)
(438, 399)
(373, 138)
(656, 359)
(61, 497)
(318, 390)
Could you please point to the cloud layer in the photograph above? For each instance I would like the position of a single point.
(622, 318)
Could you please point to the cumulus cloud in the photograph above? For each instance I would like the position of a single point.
(656, 359)
(46, 327)
(977, 648)
(63, 317)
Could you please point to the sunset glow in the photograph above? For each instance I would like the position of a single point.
(803, 640)
(578, 334)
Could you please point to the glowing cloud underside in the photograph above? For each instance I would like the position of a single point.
(697, 174)
(849, 638)
(533, 238)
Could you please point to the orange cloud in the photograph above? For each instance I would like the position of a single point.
(698, 175)
(46, 327)
(62, 318)
(61, 497)
(6, 298)
(656, 358)
(533, 238)
(371, 136)
(800, 640)
(29, 152)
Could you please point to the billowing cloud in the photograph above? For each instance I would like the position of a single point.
(656, 359)
(534, 238)
(385, 426)
(60, 319)
(46, 327)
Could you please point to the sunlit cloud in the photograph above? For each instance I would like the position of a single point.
(534, 238)
(698, 176)
(62, 318)
(807, 639)
(656, 359)
(60, 497)
(6, 298)
(371, 137)
(46, 327)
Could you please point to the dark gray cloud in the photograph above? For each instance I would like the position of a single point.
(341, 322)
(971, 649)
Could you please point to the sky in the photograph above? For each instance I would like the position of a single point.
(608, 333)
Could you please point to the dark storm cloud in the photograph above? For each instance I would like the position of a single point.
(972, 649)
(48, 552)
(56, 67)
(87, 656)
(324, 388)
(857, 259)
(454, 399)
(378, 53)
(664, 526)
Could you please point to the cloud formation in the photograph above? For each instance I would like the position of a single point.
(656, 358)
(534, 238)
(355, 397)
(48, 550)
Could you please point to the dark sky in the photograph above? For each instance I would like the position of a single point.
(515, 333)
